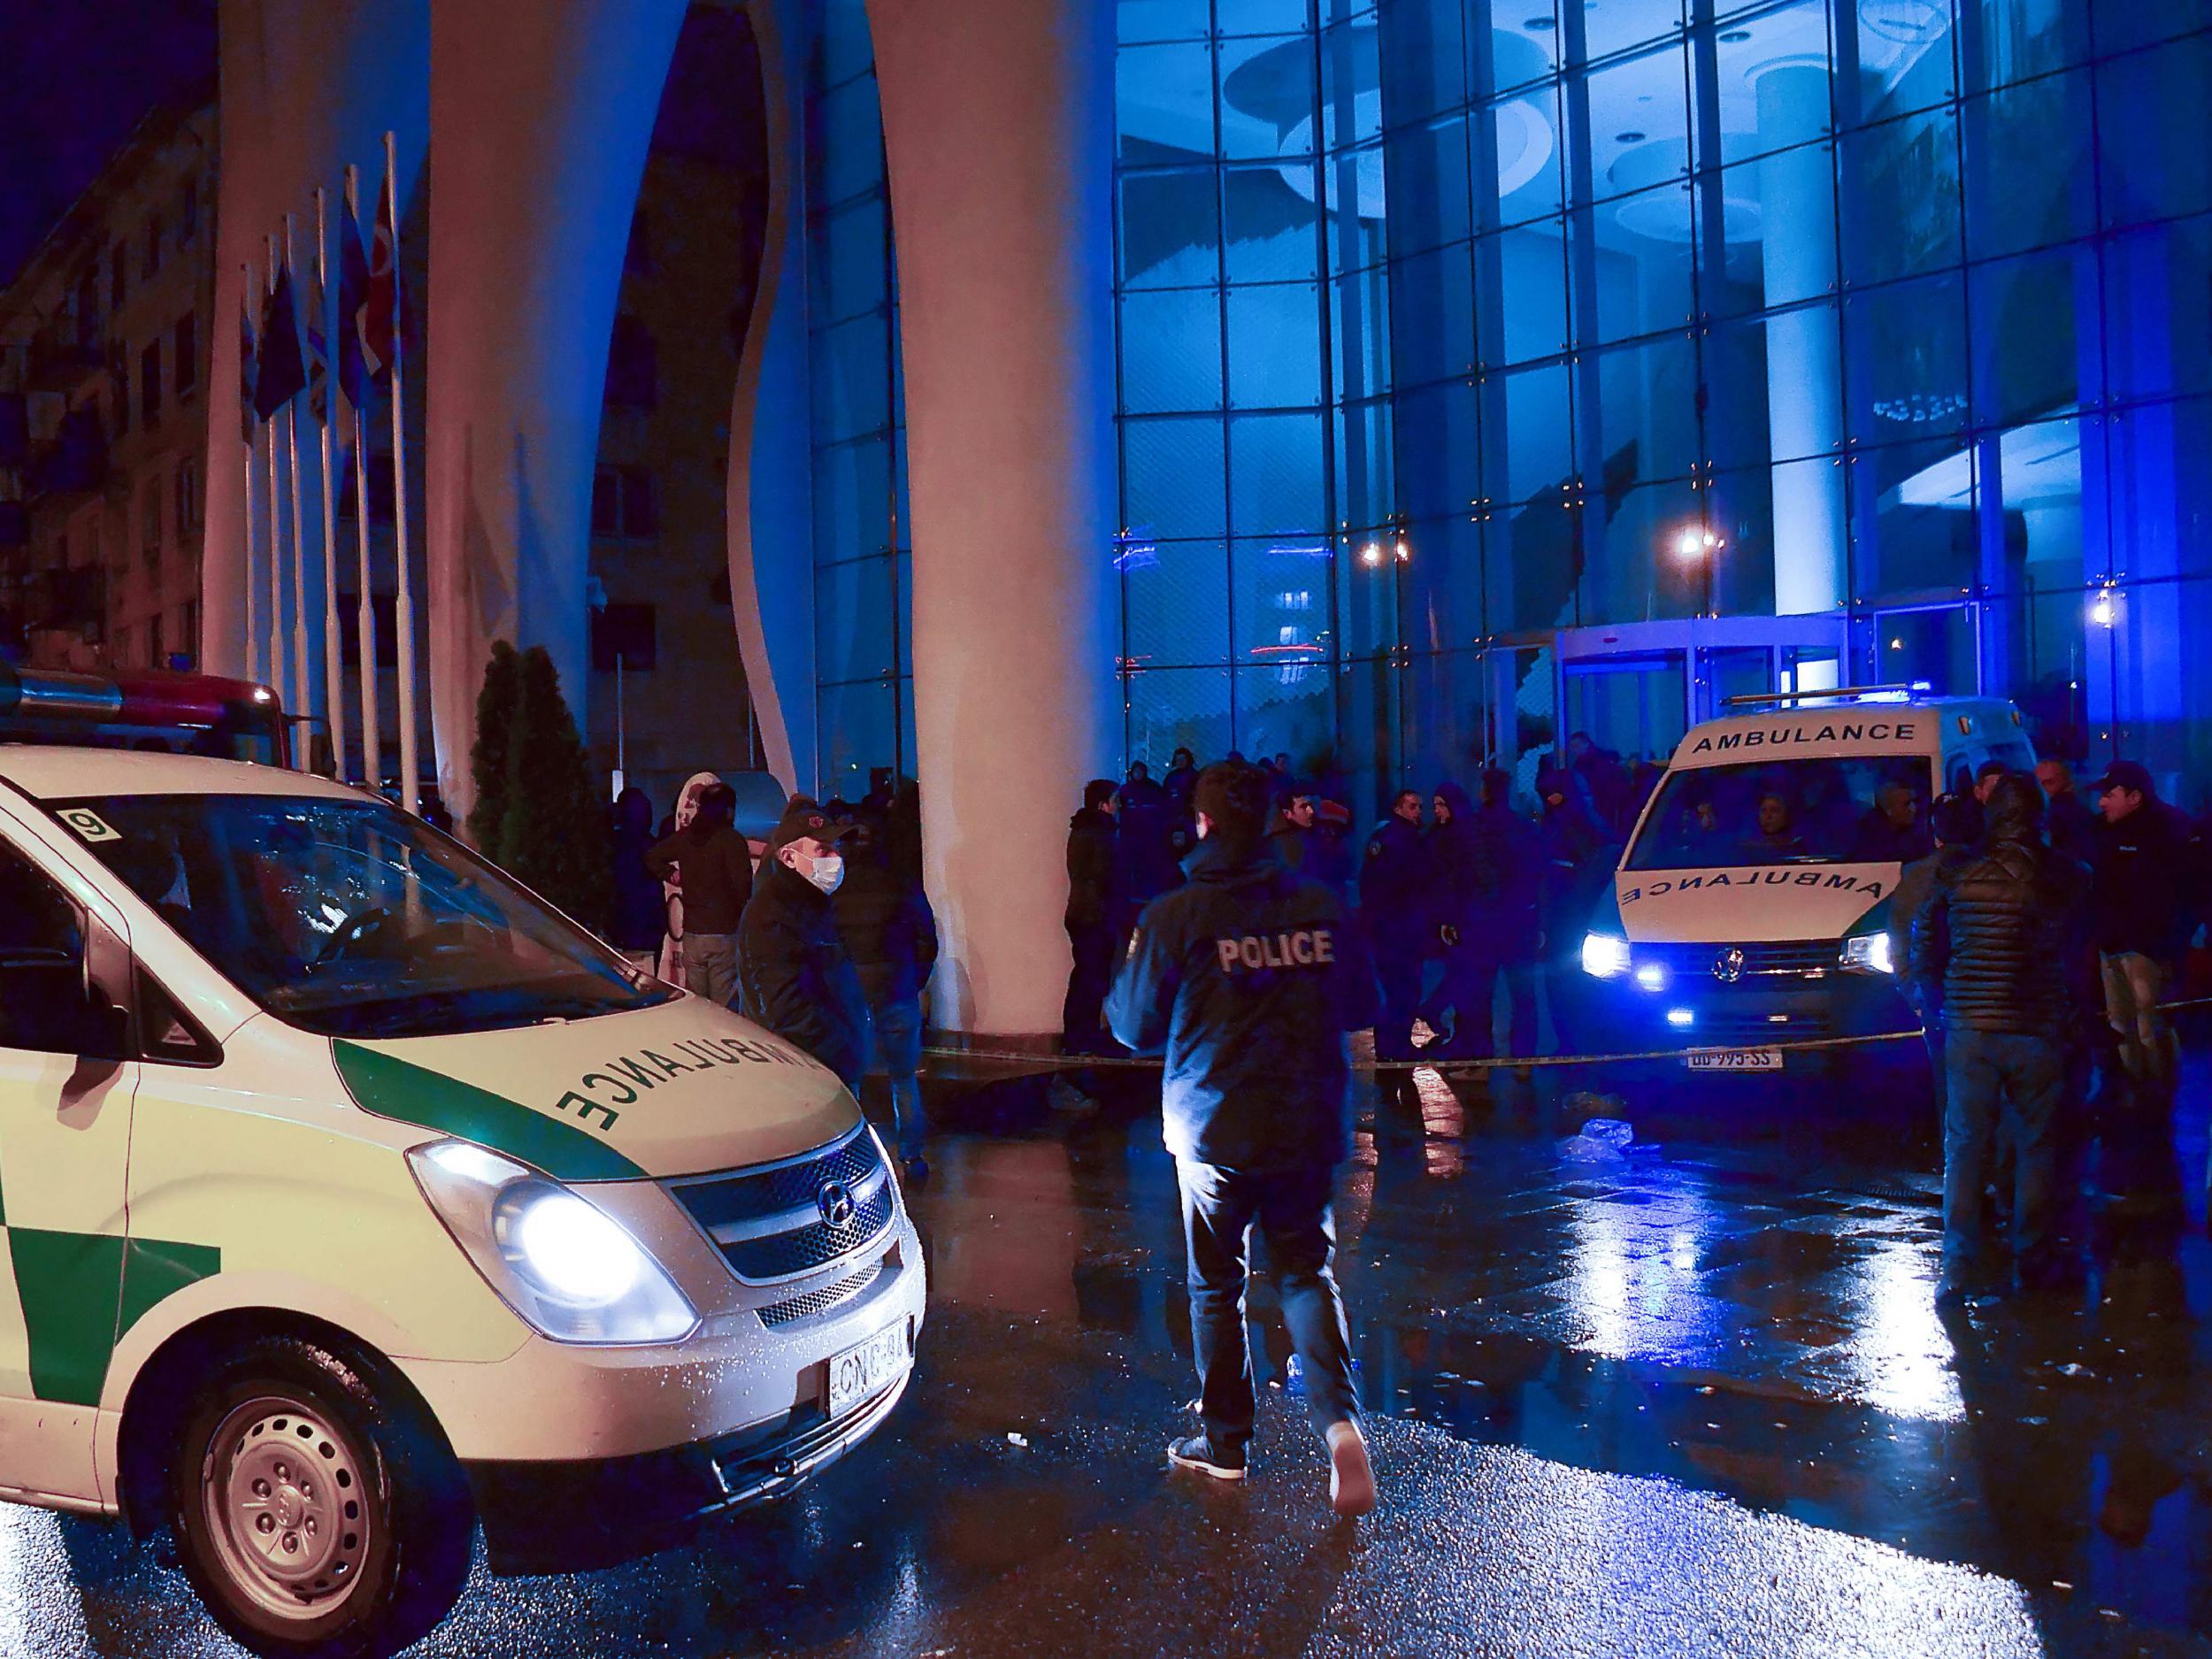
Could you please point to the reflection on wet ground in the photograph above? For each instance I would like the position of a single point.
(1691, 1396)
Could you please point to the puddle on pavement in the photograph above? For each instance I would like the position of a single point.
(1748, 1315)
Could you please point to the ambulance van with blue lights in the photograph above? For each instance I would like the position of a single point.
(351, 1198)
(1749, 908)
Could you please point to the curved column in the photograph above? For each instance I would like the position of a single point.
(770, 482)
(998, 129)
(1797, 251)
(304, 90)
(542, 114)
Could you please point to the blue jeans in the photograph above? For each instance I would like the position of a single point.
(2020, 1080)
(1220, 1208)
(894, 1030)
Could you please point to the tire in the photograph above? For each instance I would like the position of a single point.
(316, 1508)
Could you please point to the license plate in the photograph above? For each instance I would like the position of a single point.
(1733, 1059)
(862, 1370)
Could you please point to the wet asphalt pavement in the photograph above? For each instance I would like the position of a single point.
(1690, 1399)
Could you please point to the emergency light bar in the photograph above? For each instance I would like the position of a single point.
(1835, 692)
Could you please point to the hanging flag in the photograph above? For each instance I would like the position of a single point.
(283, 374)
(318, 362)
(379, 305)
(249, 365)
(353, 298)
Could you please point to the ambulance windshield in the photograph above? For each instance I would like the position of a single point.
(1854, 811)
(350, 919)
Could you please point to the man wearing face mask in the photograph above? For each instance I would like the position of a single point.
(794, 977)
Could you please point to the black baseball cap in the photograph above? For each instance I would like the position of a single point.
(2127, 774)
(804, 819)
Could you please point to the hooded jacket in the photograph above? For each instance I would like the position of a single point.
(2004, 930)
(1460, 862)
(793, 975)
(1249, 977)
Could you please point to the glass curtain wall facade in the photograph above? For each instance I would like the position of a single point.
(863, 557)
(1442, 322)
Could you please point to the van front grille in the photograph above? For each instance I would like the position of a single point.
(791, 1217)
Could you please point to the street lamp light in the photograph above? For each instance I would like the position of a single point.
(1696, 544)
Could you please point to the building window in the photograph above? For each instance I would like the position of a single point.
(157, 641)
(623, 502)
(189, 631)
(149, 385)
(152, 262)
(119, 276)
(186, 355)
(188, 505)
(625, 631)
(88, 313)
(633, 366)
(188, 213)
(150, 522)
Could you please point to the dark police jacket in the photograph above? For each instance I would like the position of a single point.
(1248, 977)
(1394, 888)
(793, 978)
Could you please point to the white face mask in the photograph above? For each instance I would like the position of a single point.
(827, 872)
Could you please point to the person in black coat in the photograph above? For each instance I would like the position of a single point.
(1394, 901)
(794, 977)
(2000, 942)
(1249, 977)
(1458, 878)
(641, 908)
(1290, 831)
(890, 933)
(1095, 917)
(1579, 861)
(1506, 924)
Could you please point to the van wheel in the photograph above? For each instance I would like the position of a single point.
(316, 1508)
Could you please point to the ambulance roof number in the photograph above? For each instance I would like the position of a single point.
(89, 825)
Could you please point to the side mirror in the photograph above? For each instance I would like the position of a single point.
(106, 1034)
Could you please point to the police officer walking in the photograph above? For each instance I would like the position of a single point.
(1249, 977)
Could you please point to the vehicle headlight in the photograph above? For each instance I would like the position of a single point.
(1604, 955)
(1869, 953)
(571, 1271)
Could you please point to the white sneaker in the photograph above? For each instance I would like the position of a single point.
(1351, 1477)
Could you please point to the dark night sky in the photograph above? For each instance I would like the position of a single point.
(75, 78)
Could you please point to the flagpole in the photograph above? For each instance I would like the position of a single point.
(276, 529)
(246, 419)
(404, 609)
(334, 663)
(302, 683)
(364, 625)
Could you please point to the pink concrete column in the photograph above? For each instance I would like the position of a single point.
(998, 126)
(541, 114)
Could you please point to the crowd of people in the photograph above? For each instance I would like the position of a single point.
(1457, 892)
(827, 942)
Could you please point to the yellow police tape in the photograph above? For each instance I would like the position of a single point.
(1136, 1062)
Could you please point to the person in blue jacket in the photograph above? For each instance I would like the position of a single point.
(1248, 977)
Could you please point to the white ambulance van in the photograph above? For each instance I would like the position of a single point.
(1749, 909)
(350, 1197)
